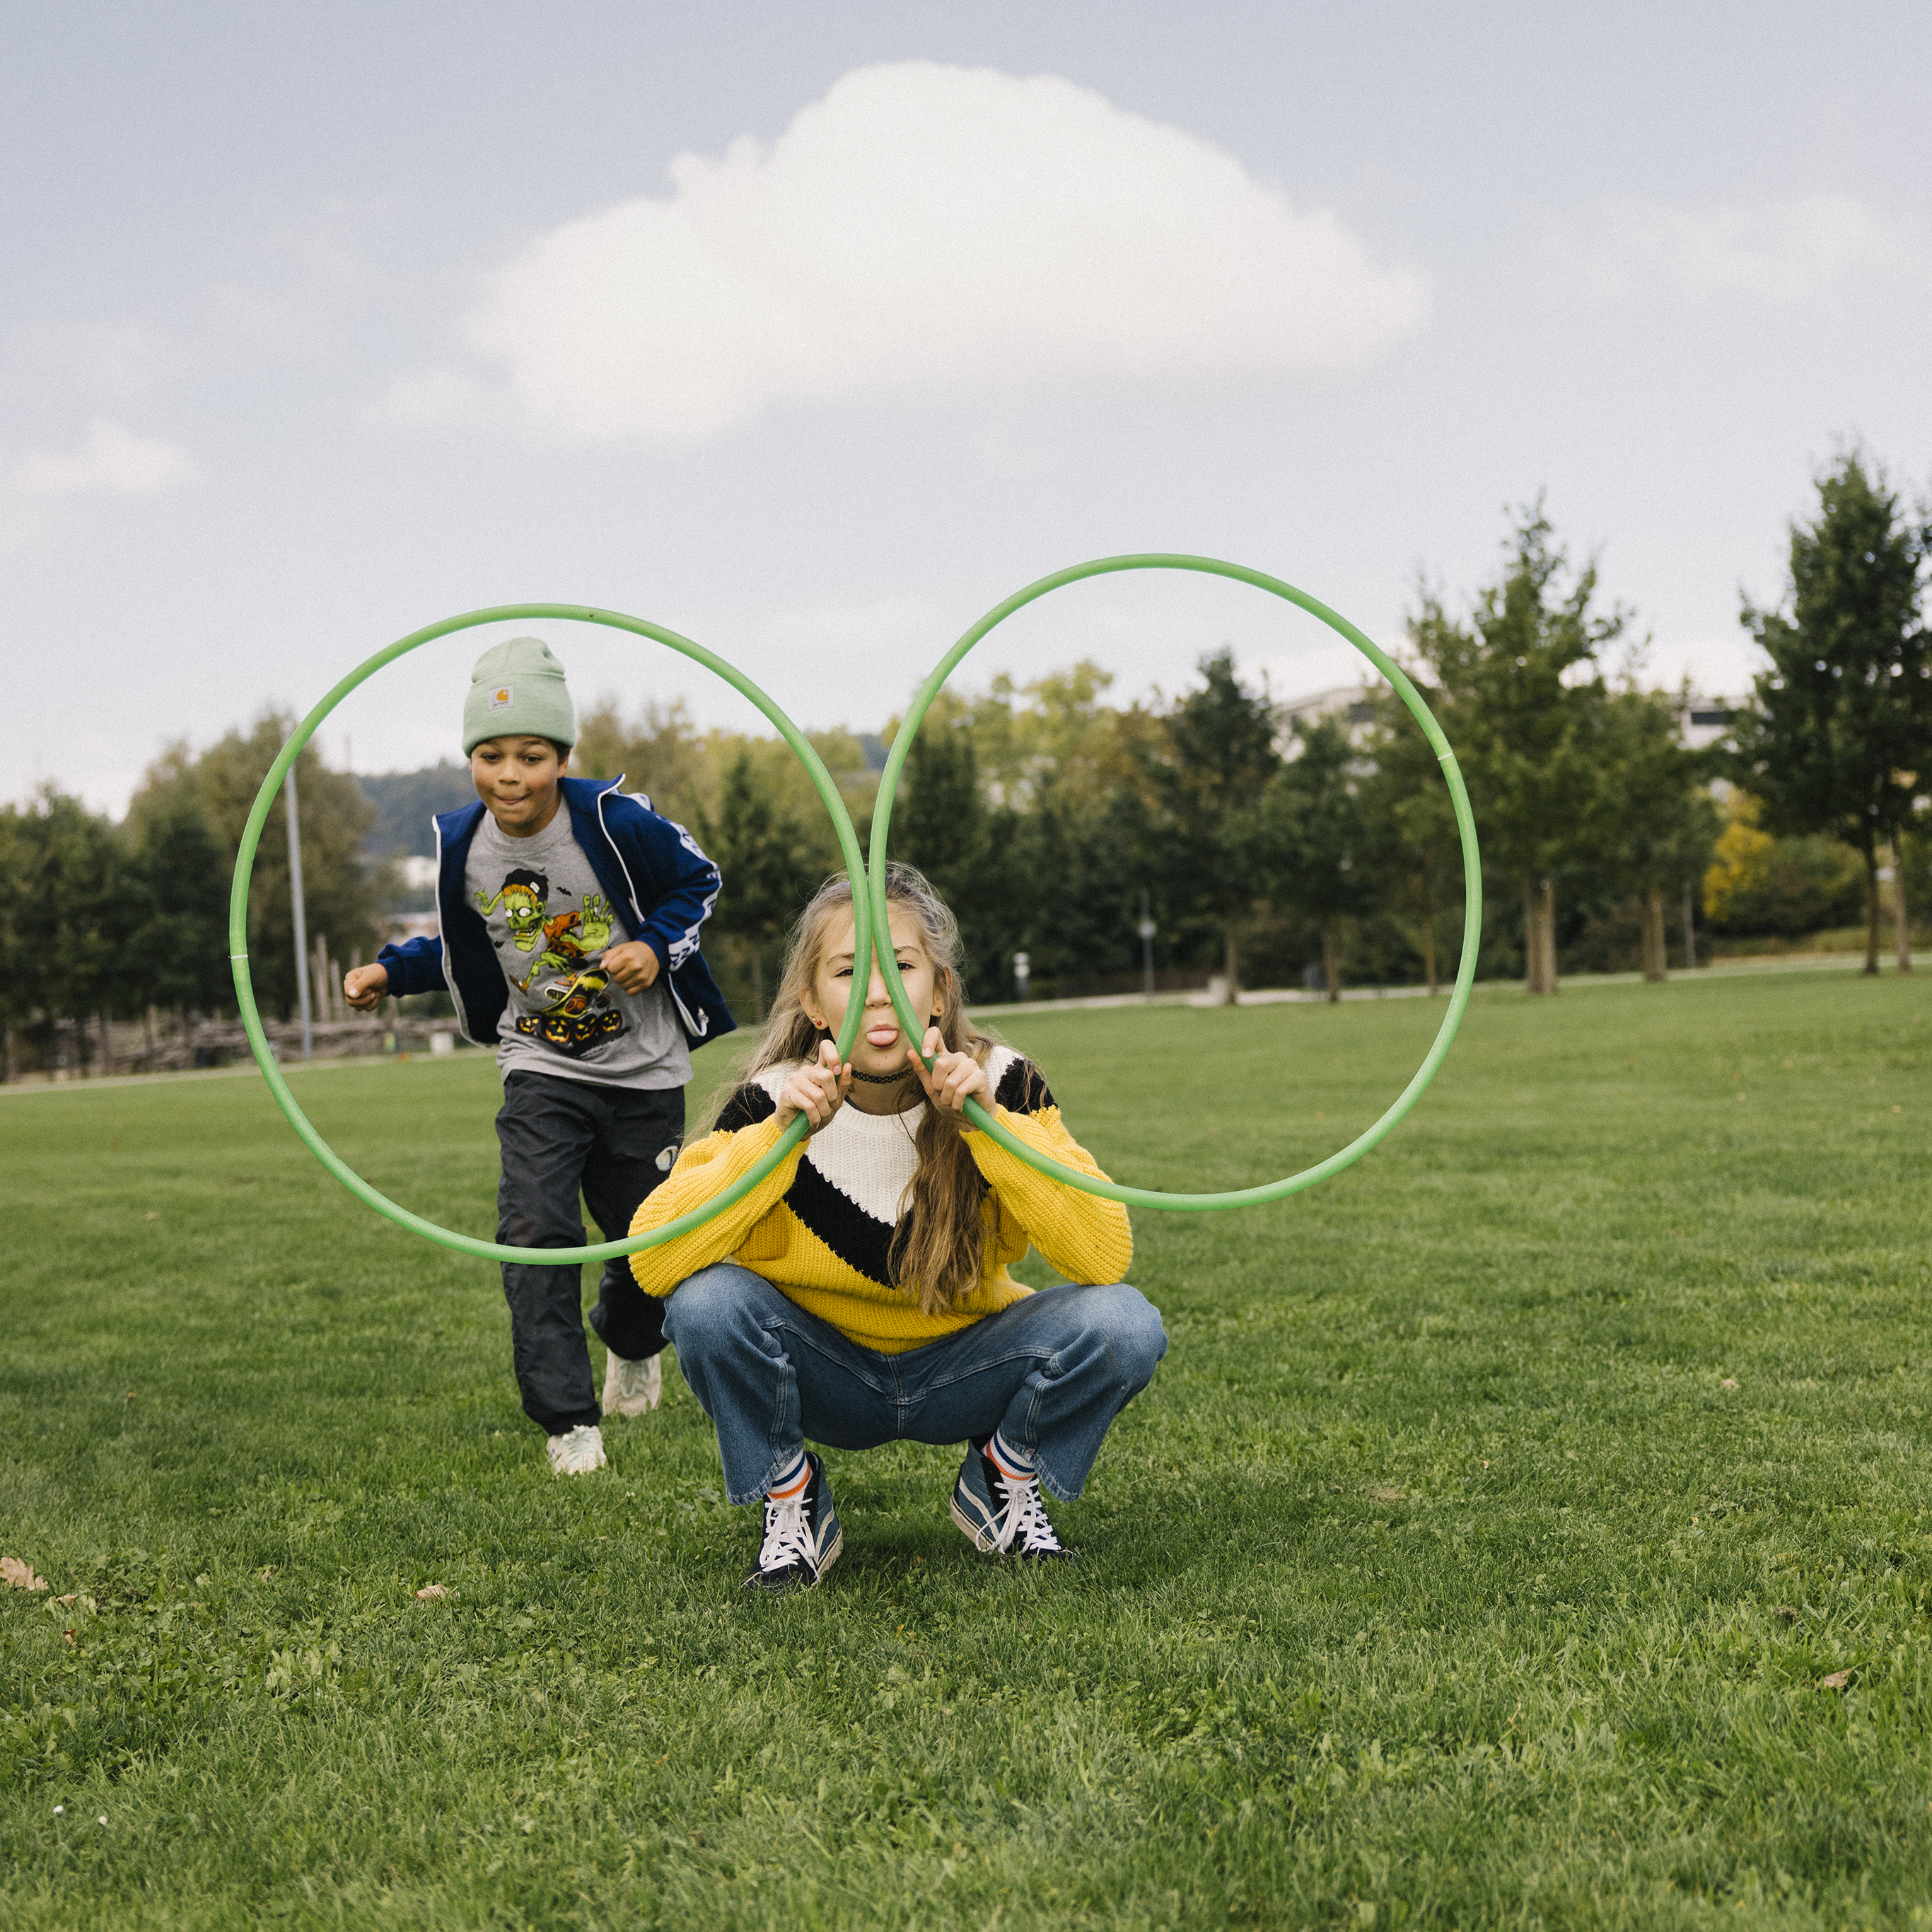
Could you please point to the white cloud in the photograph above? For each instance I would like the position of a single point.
(932, 228)
(1790, 251)
(115, 460)
(428, 399)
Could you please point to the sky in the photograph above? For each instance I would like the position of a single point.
(812, 333)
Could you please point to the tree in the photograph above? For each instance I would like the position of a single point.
(1756, 883)
(1217, 758)
(68, 920)
(1839, 739)
(1412, 849)
(942, 825)
(1308, 839)
(661, 755)
(1518, 689)
(767, 864)
(178, 879)
(342, 893)
(1654, 822)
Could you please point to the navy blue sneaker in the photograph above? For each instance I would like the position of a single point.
(802, 1538)
(1003, 1518)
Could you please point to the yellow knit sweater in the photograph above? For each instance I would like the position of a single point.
(819, 1227)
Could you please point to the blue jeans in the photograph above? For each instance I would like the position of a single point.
(1051, 1373)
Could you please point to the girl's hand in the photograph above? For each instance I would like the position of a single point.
(955, 1077)
(363, 988)
(817, 1089)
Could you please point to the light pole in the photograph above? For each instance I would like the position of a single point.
(1022, 972)
(301, 921)
(1147, 929)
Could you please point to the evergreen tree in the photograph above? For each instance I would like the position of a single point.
(1307, 840)
(1216, 758)
(1519, 693)
(767, 862)
(1412, 853)
(1840, 740)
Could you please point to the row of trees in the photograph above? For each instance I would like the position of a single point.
(1263, 847)
(1260, 847)
(102, 919)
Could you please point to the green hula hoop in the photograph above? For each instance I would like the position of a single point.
(244, 991)
(1465, 826)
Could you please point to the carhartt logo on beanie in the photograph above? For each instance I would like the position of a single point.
(517, 691)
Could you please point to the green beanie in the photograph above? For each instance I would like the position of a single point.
(517, 691)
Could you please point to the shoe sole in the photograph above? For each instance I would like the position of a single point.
(976, 1536)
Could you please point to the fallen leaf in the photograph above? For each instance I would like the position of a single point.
(1729, 1382)
(20, 1575)
(267, 1573)
(1837, 1681)
(1898, 1110)
(1387, 1495)
(1785, 1611)
(431, 1593)
(72, 1596)
(151, 1217)
(68, 1634)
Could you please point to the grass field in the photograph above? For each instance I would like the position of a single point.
(1477, 1556)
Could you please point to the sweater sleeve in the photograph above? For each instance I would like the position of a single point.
(703, 1170)
(1084, 1237)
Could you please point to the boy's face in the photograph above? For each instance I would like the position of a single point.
(516, 778)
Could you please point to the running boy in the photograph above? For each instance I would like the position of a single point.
(570, 916)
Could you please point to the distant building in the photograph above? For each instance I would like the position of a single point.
(1351, 705)
(1706, 720)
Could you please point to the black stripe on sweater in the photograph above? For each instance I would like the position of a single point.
(746, 1108)
(1022, 1089)
(861, 1242)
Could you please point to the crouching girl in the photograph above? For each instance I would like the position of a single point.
(859, 1295)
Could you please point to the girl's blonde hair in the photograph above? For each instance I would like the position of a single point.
(940, 1243)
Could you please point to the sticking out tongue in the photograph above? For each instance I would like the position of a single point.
(881, 1036)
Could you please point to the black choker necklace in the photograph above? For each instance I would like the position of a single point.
(882, 1079)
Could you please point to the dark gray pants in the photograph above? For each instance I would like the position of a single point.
(560, 1137)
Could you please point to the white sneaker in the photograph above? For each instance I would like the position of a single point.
(631, 1388)
(579, 1452)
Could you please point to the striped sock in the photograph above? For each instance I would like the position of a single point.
(792, 1485)
(1008, 1460)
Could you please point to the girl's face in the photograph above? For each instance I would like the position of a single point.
(881, 1044)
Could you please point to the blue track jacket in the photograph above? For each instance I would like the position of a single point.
(661, 886)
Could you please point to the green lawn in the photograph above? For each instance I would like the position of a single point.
(1476, 1557)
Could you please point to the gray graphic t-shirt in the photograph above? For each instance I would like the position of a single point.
(550, 921)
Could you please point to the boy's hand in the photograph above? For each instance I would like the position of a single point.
(634, 965)
(954, 1078)
(817, 1090)
(365, 986)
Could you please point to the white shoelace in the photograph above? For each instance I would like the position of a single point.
(787, 1540)
(1027, 1524)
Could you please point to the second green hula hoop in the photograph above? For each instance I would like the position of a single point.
(244, 991)
(1465, 826)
